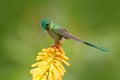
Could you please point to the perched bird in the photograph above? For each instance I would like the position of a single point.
(57, 32)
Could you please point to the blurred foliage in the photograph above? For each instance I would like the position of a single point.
(21, 36)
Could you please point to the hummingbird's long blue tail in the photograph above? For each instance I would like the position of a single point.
(67, 35)
(98, 47)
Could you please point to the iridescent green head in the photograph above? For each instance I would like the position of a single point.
(45, 23)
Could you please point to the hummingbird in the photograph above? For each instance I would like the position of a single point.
(57, 32)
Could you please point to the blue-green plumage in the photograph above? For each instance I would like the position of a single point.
(57, 32)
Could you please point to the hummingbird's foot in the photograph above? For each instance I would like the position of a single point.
(57, 45)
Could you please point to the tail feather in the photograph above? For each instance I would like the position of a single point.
(67, 35)
(98, 47)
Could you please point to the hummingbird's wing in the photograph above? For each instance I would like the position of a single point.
(63, 32)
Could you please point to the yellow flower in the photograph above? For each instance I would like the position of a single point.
(49, 64)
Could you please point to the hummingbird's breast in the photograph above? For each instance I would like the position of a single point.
(54, 35)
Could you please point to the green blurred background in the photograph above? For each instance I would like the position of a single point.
(96, 21)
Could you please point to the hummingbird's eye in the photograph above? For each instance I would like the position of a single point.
(48, 23)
